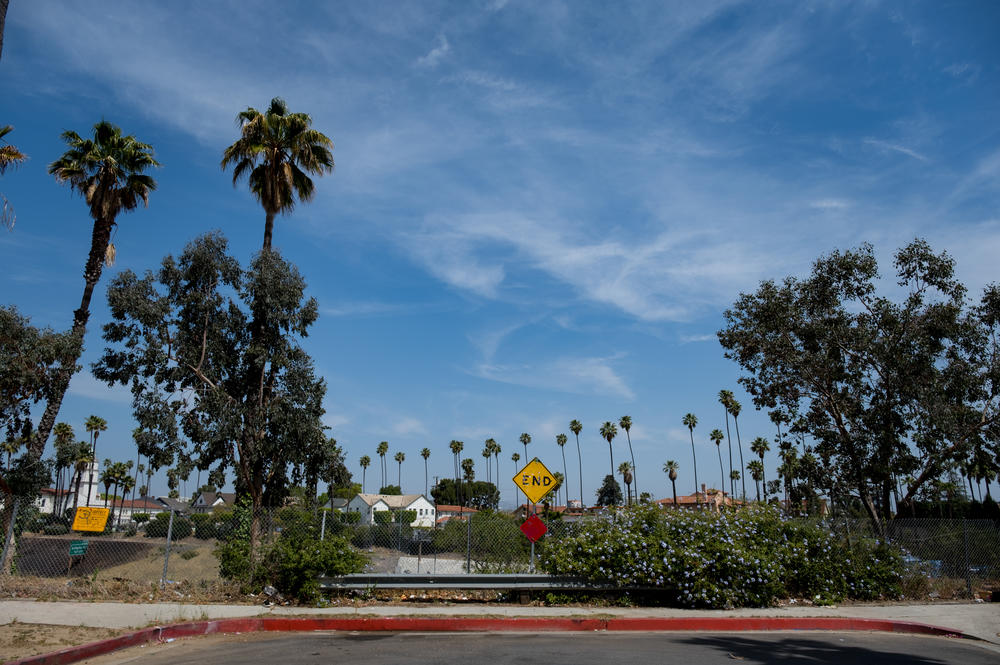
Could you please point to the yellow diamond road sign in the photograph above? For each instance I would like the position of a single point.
(535, 480)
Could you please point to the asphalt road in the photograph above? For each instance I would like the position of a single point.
(556, 648)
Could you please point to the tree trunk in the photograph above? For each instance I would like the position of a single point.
(268, 229)
(635, 479)
(3, 20)
(743, 468)
(579, 460)
(99, 239)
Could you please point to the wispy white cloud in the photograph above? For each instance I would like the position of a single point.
(830, 204)
(582, 375)
(692, 339)
(409, 426)
(85, 385)
(895, 147)
(434, 57)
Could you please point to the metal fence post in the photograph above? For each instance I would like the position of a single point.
(968, 568)
(468, 544)
(322, 528)
(166, 550)
(9, 539)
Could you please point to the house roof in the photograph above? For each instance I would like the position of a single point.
(176, 505)
(396, 501)
(142, 503)
(444, 508)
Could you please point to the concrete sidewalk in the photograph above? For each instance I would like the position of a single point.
(981, 620)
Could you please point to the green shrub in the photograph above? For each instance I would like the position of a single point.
(294, 565)
(349, 518)
(157, 527)
(140, 518)
(55, 529)
(750, 557)
(187, 555)
(383, 517)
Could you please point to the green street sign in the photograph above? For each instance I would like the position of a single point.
(78, 547)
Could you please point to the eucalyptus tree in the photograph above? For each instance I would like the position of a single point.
(277, 152)
(625, 422)
(425, 453)
(717, 436)
(576, 428)
(109, 171)
(608, 433)
(525, 439)
(382, 449)
(400, 457)
(561, 440)
(759, 447)
(365, 462)
(734, 409)
(670, 468)
(203, 381)
(888, 387)
(691, 421)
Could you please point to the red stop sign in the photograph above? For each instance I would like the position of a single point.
(533, 528)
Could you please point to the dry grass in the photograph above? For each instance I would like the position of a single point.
(19, 640)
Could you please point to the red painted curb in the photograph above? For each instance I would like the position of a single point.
(476, 624)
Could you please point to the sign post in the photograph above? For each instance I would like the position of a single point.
(535, 480)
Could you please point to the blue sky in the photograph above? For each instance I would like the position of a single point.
(540, 210)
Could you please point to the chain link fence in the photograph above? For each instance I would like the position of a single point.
(945, 557)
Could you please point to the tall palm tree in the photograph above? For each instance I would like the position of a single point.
(735, 408)
(670, 468)
(759, 446)
(525, 439)
(381, 449)
(468, 470)
(561, 440)
(487, 454)
(400, 457)
(456, 450)
(725, 399)
(756, 469)
(490, 450)
(425, 453)
(496, 460)
(608, 432)
(625, 469)
(717, 436)
(515, 458)
(81, 462)
(95, 425)
(625, 422)
(691, 421)
(9, 156)
(576, 428)
(10, 446)
(365, 462)
(109, 172)
(277, 151)
(65, 448)
(107, 479)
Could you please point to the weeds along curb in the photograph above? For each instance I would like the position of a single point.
(160, 634)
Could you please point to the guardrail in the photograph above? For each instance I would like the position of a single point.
(497, 581)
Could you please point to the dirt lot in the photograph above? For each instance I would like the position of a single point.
(18, 640)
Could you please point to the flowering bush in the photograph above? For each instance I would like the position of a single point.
(749, 557)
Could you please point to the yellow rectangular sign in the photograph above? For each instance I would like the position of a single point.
(534, 480)
(90, 519)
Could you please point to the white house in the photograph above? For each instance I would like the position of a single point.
(369, 504)
(206, 502)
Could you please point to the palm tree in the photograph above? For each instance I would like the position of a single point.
(561, 440)
(759, 446)
(487, 454)
(365, 462)
(95, 425)
(10, 446)
(382, 448)
(525, 439)
(456, 450)
(107, 479)
(108, 171)
(9, 156)
(515, 458)
(625, 422)
(735, 408)
(625, 469)
(691, 421)
(400, 457)
(468, 470)
(277, 151)
(425, 453)
(608, 432)
(725, 399)
(81, 462)
(670, 468)
(734, 475)
(756, 469)
(576, 428)
(65, 448)
(717, 436)
(490, 450)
